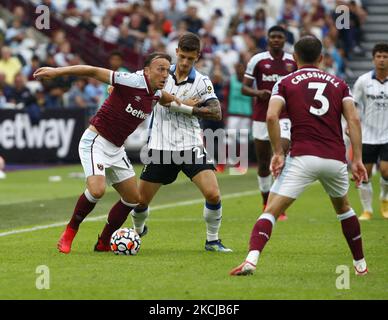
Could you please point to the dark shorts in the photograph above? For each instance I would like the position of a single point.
(166, 165)
(373, 152)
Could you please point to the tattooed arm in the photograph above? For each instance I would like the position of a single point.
(211, 110)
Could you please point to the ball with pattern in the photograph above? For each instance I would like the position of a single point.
(125, 241)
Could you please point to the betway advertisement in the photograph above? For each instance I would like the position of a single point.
(52, 138)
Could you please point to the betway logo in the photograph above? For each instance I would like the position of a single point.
(271, 77)
(49, 133)
(136, 113)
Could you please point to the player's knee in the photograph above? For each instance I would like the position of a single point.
(142, 203)
(97, 192)
(213, 196)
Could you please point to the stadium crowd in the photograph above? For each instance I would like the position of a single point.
(230, 34)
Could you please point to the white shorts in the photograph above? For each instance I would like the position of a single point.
(99, 157)
(299, 172)
(235, 124)
(260, 131)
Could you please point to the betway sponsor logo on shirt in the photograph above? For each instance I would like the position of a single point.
(19, 133)
(271, 77)
(136, 113)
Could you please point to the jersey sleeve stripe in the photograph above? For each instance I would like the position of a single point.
(348, 97)
(112, 79)
(249, 76)
(278, 97)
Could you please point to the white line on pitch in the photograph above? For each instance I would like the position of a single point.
(101, 217)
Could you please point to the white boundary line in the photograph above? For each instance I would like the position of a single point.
(101, 217)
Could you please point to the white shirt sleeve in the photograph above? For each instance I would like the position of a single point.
(205, 90)
(127, 79)
(358, 93)
(251, 67)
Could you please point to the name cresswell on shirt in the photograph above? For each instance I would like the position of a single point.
(136, 113)
(271, 77)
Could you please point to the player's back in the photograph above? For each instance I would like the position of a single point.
(313, 101)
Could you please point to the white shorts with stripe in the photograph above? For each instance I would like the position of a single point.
(299, 172)
(99, 157)
(260, 131)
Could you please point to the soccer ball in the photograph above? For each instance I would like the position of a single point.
(125, 241)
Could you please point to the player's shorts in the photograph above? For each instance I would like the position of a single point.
(166, 165)
(373, 152)
(301, 171)
(99, 157)
(260, 131)
(238, 123)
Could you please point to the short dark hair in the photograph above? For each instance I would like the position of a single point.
(156, 55)
(189, 42)
(116, 53)
(308, 49)
(380, 47)
(278, 29)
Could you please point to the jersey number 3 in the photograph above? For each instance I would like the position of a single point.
(320, 87)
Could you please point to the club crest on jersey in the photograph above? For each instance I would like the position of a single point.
(209, 88)
(100, 166)
(289, 67)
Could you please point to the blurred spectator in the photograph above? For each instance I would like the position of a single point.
(227, 54)
(9, 65)
(19, 94)
(77, 96)
(57, 39)
(95, 92)
(106, 31)
(3, 100)
(29, 69)
(86, 21)
(194, 23)
(15, 33)
(4, 86)
(115, 64)
(327, 64)
(64, 56)
(174, 10)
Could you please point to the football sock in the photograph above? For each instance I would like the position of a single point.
(85, 204)
(366, 196)
(116, 218)
(352, 232)
(383, 189)
(139, 216)
(264, 186)
(261, 233)
(213, 216)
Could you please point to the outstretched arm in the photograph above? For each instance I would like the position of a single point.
(100, 74)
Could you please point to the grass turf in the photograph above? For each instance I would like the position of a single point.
(298, 263)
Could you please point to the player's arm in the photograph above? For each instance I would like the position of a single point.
(275, 106)
(210, 110)
(354, 126)
(248, 90)
(101, 74)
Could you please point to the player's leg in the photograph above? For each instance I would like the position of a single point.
(121, 176)
(206, 182)
(118, 214)
(365, 191)
(295, 177)
(152, 177)
(335, 181)
(352, 232)
(147, 191)
(384, 180)
(92, 159)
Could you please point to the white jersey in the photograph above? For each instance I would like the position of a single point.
(371, 97)
(174, 131)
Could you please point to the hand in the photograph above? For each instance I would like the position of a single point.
(277, 164)
(359, 172)
(264, 95)
(46, 73)
(193, 102)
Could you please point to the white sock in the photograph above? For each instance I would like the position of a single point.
(383, 189)
(366, 196)
(264, 183)
(213, 216)
(139, 217)
(253, 256)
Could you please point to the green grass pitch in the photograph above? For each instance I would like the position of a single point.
(299, 262)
